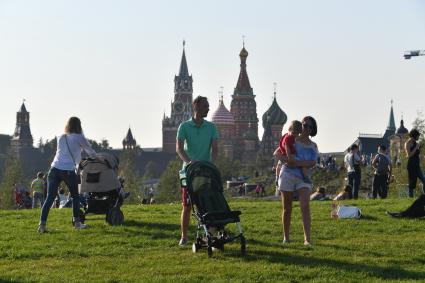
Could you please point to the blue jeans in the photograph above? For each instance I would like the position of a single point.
(354, 181)
(380, 185)
(54, 178)
(37, 197)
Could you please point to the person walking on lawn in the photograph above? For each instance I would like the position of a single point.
(37, 188)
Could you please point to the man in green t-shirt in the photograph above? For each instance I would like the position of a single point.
(196, 141)
(37, 188)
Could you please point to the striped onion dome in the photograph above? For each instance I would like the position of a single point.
(275, 114)
(222, 116)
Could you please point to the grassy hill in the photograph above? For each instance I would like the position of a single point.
(373, 249)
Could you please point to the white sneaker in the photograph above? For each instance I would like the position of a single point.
(79, 225)
(183, 242)
(41, 229)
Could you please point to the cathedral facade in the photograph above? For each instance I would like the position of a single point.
(238, 128)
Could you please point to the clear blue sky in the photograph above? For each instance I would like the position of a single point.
(112, 63)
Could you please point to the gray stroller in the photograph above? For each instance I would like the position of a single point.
(101, 187)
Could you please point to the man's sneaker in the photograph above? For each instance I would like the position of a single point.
(285, 241)
(79, 225)
(183, 242)
(394, 214)
(307, 244)
(41, 229)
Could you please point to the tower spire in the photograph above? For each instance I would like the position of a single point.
(243, 87)
(220, 93)
(183, 71)
(274, 93)
(391, 122)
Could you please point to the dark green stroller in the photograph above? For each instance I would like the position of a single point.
(210, 208)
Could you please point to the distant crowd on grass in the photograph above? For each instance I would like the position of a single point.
(34, 197)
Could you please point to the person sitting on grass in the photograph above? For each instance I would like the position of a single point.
(319, 194)
(345, 194)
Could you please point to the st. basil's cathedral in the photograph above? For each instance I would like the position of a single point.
(238, 128)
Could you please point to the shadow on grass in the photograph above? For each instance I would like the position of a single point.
(151, 225)
(392, 272)
(420, 260)
(368, 217)
(2, 280)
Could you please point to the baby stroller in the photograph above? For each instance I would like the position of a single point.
(23, 200)
(210, 208)
(101, 186)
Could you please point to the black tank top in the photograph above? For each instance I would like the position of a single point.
(413, 160)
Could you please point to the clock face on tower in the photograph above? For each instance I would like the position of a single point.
(178, 107)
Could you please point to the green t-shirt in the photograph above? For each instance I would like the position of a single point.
(37, 185)
(197, 140)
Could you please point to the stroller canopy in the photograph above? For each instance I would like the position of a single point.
(205, 187)
(100, 174)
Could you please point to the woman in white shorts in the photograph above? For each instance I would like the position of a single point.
(292, 180)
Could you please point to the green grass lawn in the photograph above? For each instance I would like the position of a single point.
(374, 248)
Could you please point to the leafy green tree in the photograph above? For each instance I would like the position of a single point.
(128, 170)
(151, 170)
(169, 183)
(49, 147)
(95, 145)
(40, 143)
(104, 144)
(12, 174)
(227, 167)
(419, 124)
(264, 163)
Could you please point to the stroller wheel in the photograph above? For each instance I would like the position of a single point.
(195, 247)
(243, 245)
(115, 216)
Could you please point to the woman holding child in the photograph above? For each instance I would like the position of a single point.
(295, 176)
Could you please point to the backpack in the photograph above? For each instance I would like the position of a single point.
(383, 163)
(348, 211)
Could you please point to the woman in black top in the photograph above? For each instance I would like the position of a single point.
(414, 171)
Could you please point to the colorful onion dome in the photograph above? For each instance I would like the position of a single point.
(275, 115)
(222, 116)
(402, 130)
